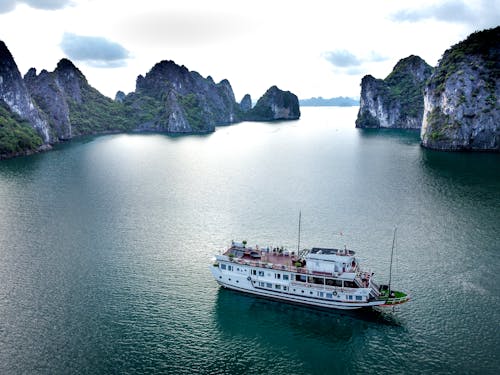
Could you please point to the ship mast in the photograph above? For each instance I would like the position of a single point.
(298, 242)
(392, 255)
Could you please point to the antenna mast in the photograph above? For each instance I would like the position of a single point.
(298, 242)
(392, 254)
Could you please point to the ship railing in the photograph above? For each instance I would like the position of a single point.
(338, 289)
(284, 267)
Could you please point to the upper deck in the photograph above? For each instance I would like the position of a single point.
(322, 261)
(329, 251)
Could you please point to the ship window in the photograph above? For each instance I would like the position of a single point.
(261, 273)
(333, 282)
(285, 277)
(285, 288)
(350, 297)
(254, 272)
(320, 294)
(329, 295)
(277, 276)
(359, 298)
(300, 278)
(237, 269)
(261, 284)
(277, 286)
(222, 266)
(230, 268)
(350, 284)
(311, 293)
(318, 280)
(269, 285)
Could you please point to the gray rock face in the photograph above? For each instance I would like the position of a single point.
(14, 93)
(398, 100)
(120, 96)
(49, 95)
(72, 106)
(246, 103)
(173, 99)
(462, 99)
(275, 104)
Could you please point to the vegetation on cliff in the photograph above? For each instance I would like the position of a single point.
(98, 114)
(16, 135)
(406, 86)
(484, 45)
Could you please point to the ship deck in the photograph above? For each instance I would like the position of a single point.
(263, 258)
(276, 259)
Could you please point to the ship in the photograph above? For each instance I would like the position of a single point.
(329, 278)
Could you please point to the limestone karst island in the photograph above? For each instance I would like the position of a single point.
(39, 110)
(456, 105)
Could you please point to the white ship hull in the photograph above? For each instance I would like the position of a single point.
(298, 294)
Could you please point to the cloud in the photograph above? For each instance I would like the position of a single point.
(342, 58)
(180, 28)
(95, 51)
(348, 63)
(9, 5)
(479, 14)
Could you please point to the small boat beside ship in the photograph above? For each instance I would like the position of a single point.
(322, 277)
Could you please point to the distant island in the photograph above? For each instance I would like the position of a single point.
(39, 110)
(339, 101)
(456, 106)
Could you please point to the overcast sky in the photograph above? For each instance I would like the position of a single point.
(312, 48)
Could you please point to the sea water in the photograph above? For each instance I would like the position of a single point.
(106, 244)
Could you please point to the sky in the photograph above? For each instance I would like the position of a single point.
(312, 48)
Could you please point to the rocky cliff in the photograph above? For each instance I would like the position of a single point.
(398, 100)
(275, 104)
(14, 94)
(246, 103)
(173, 99)
(462, 98)
(72, 106)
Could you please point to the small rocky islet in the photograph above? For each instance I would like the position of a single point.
(456, 105)
(39, 110)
